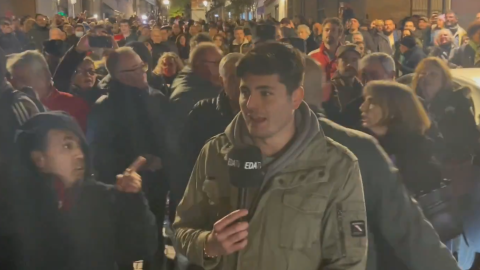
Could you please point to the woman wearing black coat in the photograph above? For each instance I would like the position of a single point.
(451, 109)
(395, 116)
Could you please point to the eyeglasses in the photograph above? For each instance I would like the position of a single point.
(90, 72)
(143, 68)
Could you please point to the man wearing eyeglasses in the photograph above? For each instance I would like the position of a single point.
(128, 121)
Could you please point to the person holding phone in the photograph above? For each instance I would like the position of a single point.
(59, 212)
(76, 73)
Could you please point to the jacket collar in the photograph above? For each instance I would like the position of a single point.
(223, 104)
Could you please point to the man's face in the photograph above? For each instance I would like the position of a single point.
(125, 28)
(146, 32)
(164, 35)
(193, 30)
(156, 36)
(68, 29)
(422, 24)
(6, 28)
(444, 38)
(354, 24)
(361, 48)
(410, 26)
(331, 34)
(239, 35)
(375, 72)
(476, 37)
(209, 66)
(26, 77)
(348, 64)
(85, 76)
(212, 31)
(58, 19)
(266, 106)
(176, 29)
(41, 21)
(132, 71)
(230, 81)
(389, 26)
(63, 157)
(478, 17)
(451, 19)
(357, 38)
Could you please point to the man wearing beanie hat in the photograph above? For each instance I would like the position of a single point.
(412, 55)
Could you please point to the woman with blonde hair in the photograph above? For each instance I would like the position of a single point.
(396, 117)
(168, 66)
(451, 109)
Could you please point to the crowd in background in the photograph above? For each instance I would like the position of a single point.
(161, 90)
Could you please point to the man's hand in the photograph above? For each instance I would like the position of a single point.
(228, 235)
(130, 181)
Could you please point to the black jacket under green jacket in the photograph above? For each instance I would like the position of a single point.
(399, 236)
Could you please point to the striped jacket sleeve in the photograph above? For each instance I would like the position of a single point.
(24, 108)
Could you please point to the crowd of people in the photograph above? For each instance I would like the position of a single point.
(102, 122)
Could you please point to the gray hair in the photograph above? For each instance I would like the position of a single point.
(444, 31)
(304, 27)
(33, 60)
(384, 59)
(53, 30)
(201, 49)
(227, 60)
(113, 59)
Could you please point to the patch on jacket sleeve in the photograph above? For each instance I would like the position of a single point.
(358, 229)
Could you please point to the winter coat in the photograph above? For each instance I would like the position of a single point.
(89, 226)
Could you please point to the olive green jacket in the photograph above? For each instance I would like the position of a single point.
(310, 215)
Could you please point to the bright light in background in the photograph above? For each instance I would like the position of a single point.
(216, 15)
(229, 14)
(477, 81)
(144, 22)
(144, 17)
(166, 2)
(95, 16)
(205, 3)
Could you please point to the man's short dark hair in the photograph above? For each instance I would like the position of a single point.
(274, 58)
(239, 28)
(333, 21)
(451, 12)
(199, 38)
(473, 28)
(125, 21)
(285, 21)
(38, 15)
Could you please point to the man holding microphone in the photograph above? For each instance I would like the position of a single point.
(299, 198)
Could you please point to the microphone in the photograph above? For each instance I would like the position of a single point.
(245, 171)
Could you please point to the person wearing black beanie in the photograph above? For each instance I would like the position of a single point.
(412, 55)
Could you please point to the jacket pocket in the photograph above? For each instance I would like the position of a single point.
(300, 225)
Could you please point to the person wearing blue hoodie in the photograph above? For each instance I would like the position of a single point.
(60, 217)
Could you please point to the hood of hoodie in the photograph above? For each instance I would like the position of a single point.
(307, 128)
(37, 128)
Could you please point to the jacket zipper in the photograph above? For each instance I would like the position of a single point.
(341, 231)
